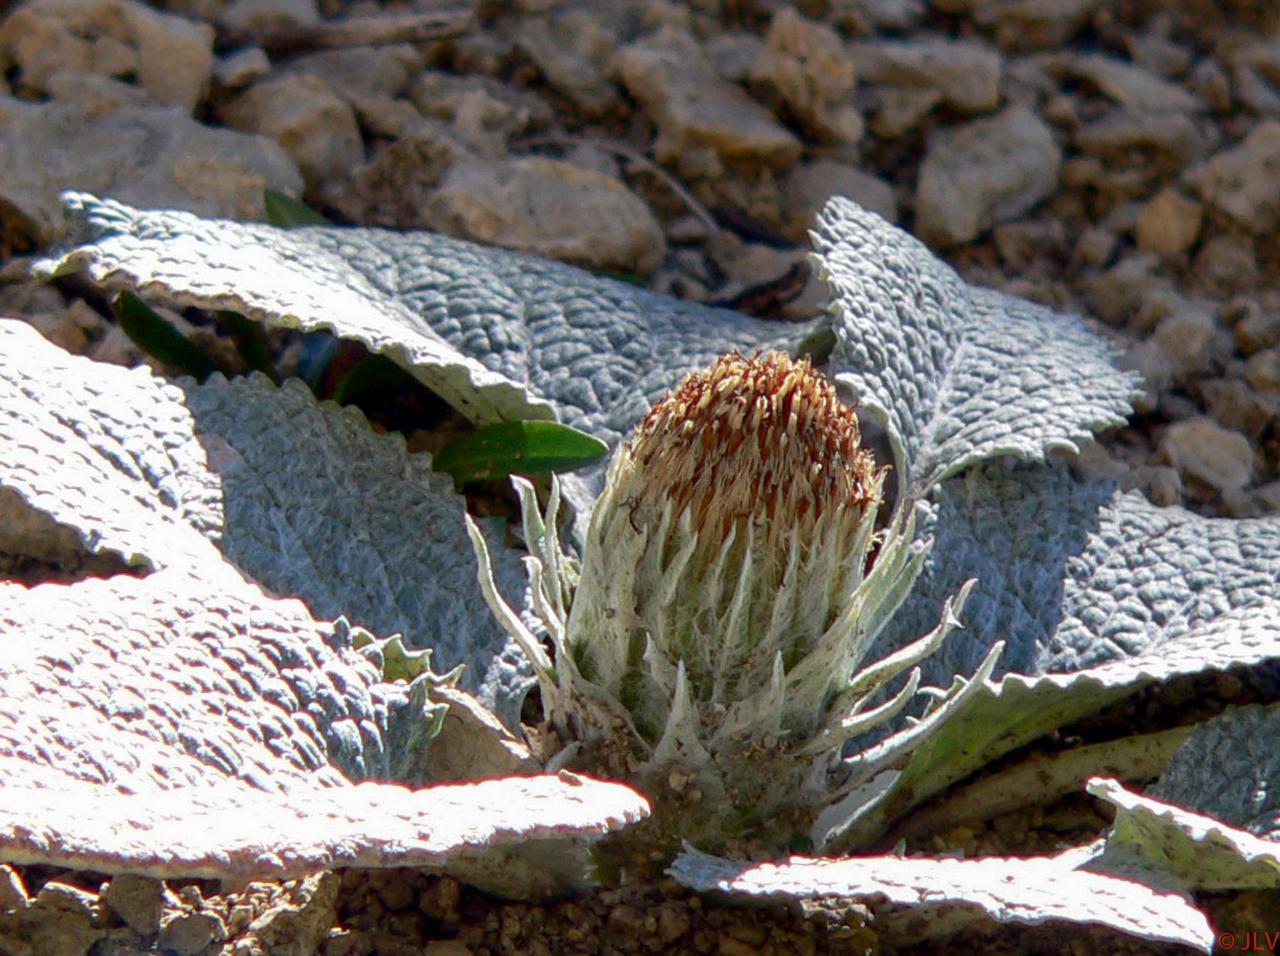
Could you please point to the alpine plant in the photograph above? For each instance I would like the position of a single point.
(712, 647)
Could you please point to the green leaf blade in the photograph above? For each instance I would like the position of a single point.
(288, 213)
(522, 447)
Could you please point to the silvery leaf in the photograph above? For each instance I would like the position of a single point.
(956, 374)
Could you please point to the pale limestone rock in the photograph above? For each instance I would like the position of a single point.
(151, 156)
(964, 74)
(1202, 449)
(571, 51)
(988, 171)
(170, 57)
(314, 125)
(703, 122)
(808, 186)
(1134, 87)
(805, 71)
(550, 208)
(1241, 182)
(1169, 223)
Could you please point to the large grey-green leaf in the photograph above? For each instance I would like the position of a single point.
(919, 900)
(1230, 769)
(1170, 846)
(956, 373)
(499, 334)
(1073, 573)
(318, 506)
(184, 724)
(303, 497)
(1018, 708)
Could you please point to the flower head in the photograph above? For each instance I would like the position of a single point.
(713, 647)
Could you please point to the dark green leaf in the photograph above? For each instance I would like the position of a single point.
(151, 333)
(497, 451)
(251, 343)
(287, 212)
(374, 373)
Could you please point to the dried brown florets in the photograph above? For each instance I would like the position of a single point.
(756, 437)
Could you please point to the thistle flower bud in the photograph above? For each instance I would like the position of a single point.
(712, 649)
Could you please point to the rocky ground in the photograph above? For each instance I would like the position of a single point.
(1119, 158)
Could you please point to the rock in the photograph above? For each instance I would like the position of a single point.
(239, 69)
(1256, 328)
(1095, 247)
(168, 56)
(550, 208)
(804, 71)
(703, 122)
(863, 17)
(1133, 87)
(1025, 244)
(1149, 361)
(1225, 265)
(1254, 94)
(150, 157)
(1202, 449)
(254, 16)
(186, 934)
(472, 744)
(1162, 485)
(1186, 338)
(1233, 404)
(964, 74)
(1241, 182)
(1169, 223)
(299, 922)
(484, 113)
(900, 109)
(1168, 141)
(1211, 83)
(61, 920)
(362, 70)
(1263, 370)
(571, 51)
(1158, 53)
(733, 54)
(13, 895)
(316, 127)
(393, 188)
(808, 186)
(1034, 24)
(988, 171)
(138, 900)
(1115, 295)
(97, 95)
